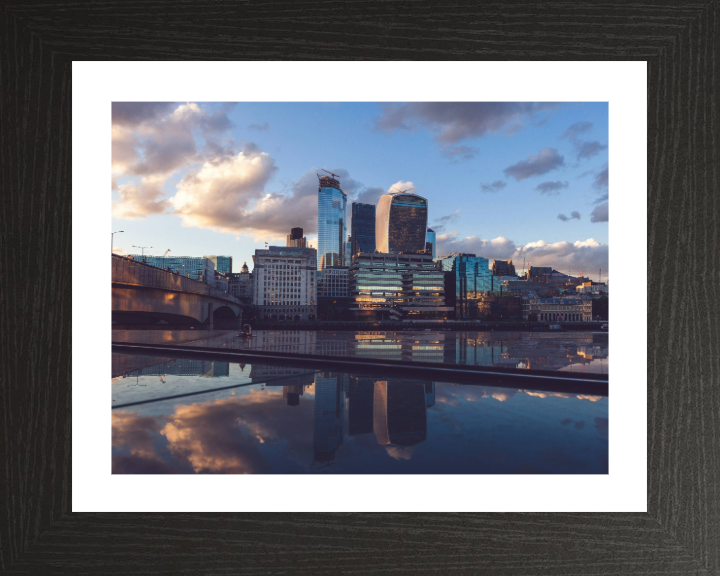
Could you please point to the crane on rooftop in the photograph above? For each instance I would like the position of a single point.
(331, 174)
(401, 191)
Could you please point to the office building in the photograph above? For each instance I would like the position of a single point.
(296, 239)
(503, 268)
(332, 228)
(467, 279)
(223, 264)
(395, 286)
(401, 224)
(592, 288)
(284, 282)
(430, 239)
(240, 284)
(348, 251)
(538, 309)
(536, 273)
(333, 282)
(198, 268)
(362, 229)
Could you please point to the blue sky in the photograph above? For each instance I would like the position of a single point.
(503, 180)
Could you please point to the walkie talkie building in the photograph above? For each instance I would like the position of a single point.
(332, 228)
(401, 224)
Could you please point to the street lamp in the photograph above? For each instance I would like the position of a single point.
(112, 237)
(142, 250)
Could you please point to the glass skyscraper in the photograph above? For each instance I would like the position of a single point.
(362, 228)
(401, 223)
(431, 239)
(332, 228)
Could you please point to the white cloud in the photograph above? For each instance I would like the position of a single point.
(140, 200)
(569, 257)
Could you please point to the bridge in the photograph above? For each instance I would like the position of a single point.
(144, 294)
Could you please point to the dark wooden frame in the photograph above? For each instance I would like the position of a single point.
(681, 530)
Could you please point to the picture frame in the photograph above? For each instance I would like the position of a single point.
(680, 532)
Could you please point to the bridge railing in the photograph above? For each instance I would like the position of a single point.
(126, 271)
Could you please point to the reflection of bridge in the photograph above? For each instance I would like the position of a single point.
(146, 294)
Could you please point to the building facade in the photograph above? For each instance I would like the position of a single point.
(332, 228)
(503, 268)
(195, 267)
(538, 309)
(284, 283)
(468, 278)
(401, 224)
(396, 286)
(240, 284)
(333, 282)
(223, 264)
(362, 229)
(592, 288)
(296, 239)
(430, 239)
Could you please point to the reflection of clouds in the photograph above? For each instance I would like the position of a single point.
(591, 398)
(545, 394)
(398, 453)
(219, 436)
(578, 425)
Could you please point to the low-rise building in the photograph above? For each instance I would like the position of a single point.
(240, 284)
(284, 283)
(537, 309)
(592, 288)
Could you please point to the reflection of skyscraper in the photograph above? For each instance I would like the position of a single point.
(429, 394)
(360, 406)
(332, 207)
(292, 394)
(329, 407)
(401, 223)
(399, 413)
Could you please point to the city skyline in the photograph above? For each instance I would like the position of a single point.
(503, 180)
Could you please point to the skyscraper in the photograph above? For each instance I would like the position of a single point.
(401, 223)
(362, 229)
(332, 228)
(431, 240)
(296, 239)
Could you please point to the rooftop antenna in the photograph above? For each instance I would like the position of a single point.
(401, 191)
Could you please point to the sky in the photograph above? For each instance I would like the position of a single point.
(520, 180)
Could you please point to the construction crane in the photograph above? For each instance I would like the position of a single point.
(166, 253)
(331, 174)
(401, 191)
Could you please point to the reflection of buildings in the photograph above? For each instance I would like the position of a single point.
(292, 394)
(329, 413)
(285, 376)
(294, 341)
(399, 412)
(360, 405)
(184, 367)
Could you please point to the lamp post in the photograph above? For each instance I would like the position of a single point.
(112, 237)
(142, 250)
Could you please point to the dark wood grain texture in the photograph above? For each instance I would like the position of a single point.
(680, 532)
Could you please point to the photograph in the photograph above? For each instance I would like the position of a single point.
(360, 288)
